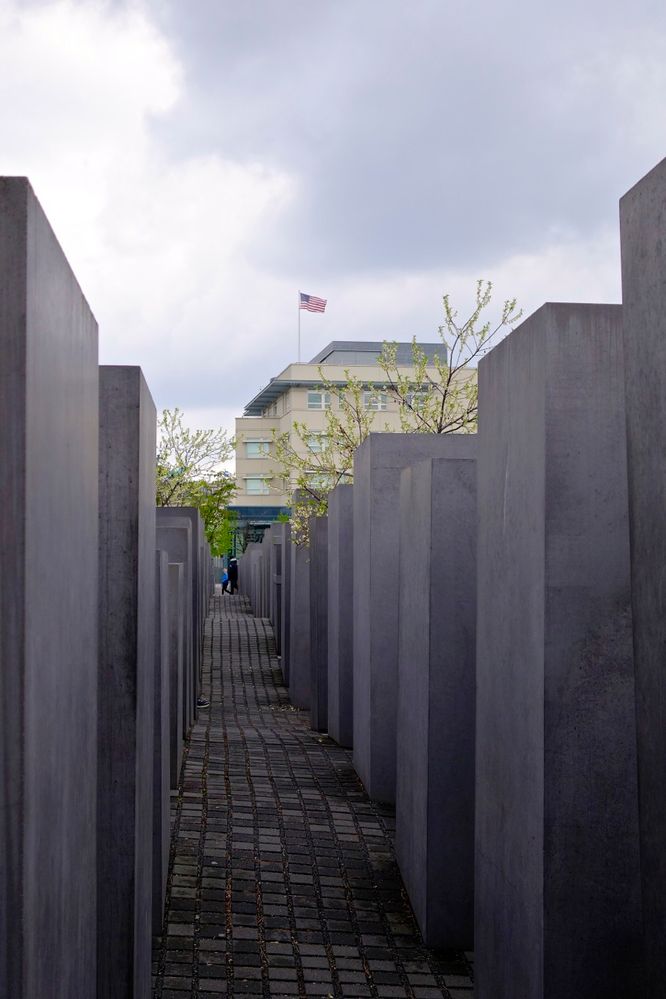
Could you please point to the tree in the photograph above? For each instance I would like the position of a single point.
(189, 474)
(323, 460)
(442, 402)
(447, 402)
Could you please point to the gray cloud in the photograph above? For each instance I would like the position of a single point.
(428, 134)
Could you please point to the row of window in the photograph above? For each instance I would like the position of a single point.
(371, 400)
(260, 486)
(315, 443)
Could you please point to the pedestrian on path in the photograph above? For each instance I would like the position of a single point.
(233, 576)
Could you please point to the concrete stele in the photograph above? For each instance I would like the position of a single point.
(285, 606)
(161, 742)
(176, 659)
(436, 696)
(48, 610)
(377, 466)
(318, 529)
(340, 615)
(174, 536)
(127, 438)
(299, 626)
(558, 904)
(643, 236)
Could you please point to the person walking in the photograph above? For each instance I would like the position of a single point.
(233, 576)
(225, 581)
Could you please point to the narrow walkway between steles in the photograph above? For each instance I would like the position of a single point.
(282, 878)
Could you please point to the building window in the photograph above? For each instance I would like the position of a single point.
(319, 400)
(257, 487)
(375, 400)
(318, 480)
(417, 399)
(257, 449)
(316, 443)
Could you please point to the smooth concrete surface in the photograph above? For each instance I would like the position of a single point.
(166, 513)
(276, 586)
(285, 607)
(643, 237)
(299, 625)
(318, 529)
(377, 466)
(176, 657)
(436, 697)
(174, 536)
(127, 437)
(558, 902)
(48, 611)
(340, 615)
(162, 749)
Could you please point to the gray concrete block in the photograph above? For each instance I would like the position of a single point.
(377, 466)
(318, 529)
(276, 585)
(176, 658)
(299, 627)
(285, 608)
(643, 230)
(161, 743)
(436, 696)
(174, 536)
(126, 682)
(340, 615)
(48, 611)
(558, 902)
(166, 513)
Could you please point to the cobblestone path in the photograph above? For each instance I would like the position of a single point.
(282, 879)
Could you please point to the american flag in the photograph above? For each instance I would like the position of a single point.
(312, 303)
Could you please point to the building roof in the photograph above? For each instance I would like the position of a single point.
(343, 353)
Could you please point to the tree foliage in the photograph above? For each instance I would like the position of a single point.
(189, 474)
(438, 396)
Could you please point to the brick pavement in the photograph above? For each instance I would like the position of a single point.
(282, 878)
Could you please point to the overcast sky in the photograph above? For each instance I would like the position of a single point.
(202, 161)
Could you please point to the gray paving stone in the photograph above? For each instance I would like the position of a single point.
(331, 915)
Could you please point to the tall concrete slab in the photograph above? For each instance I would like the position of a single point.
(285, 607)
(340, 615)
(558, 901)
(436, 695)
(165, 514)
(176, 659)
(161, 740)
(318, 623)
(299, 625)
(276, 585)
(48, 611)
(643, 231)
(127, 434)
(174, 536)
(377, 466)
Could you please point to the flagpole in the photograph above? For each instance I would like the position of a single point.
(299, 327)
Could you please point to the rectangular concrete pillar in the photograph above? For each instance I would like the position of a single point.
(436, 695)
(318, 623)
(377, 466)
(643, 230)
(48, 611)
(176, 658)
(340, 615)
(285, 608)
(126, 682)
(558, 902)
(161, 742)
(299, 624)
(193, 515)
(276, 585)
(174, 536)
